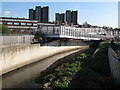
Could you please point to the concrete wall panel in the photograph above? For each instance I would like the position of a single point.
(114, 66)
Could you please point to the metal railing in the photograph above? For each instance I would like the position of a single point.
(73, 32)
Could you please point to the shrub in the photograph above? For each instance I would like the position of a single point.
(39, 36)
(49, 77)
(63, 83)
(5, 30)
(68, 73)
(82, 56)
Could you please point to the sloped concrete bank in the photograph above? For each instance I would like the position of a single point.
(18, 56)
(114, 61)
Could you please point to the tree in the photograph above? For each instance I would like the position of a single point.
(39, 36)
(4, 29)
(85, 24)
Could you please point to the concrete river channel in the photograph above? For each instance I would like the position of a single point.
(25, 76)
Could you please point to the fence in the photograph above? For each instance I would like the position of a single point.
(12, 40)
(114, 61)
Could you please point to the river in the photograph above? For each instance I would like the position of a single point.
(25, 76)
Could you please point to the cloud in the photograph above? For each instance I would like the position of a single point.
(16, 15)
(6, 13)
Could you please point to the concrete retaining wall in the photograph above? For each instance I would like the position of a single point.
(18, 56)
(7, 40)
(114, 65)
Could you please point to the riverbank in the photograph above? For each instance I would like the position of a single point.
(28, 73)
(84, 71)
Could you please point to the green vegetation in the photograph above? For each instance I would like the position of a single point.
(4, 30)
(83, 71)
(39, 36)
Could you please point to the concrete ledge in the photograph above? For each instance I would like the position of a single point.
(18, 56)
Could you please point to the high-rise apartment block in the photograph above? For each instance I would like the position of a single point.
(37, 13)
(40, 13)
(74, 17)
(31, 14)
(68, 16)
(60, 18)
(45, 14)
(71, 17)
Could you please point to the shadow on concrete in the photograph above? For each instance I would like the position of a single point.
(71, 43)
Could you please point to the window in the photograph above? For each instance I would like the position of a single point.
(16, 23)
(29, 23)
(34, 24)
(9, 23)
(0, 22)
(23, 23)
